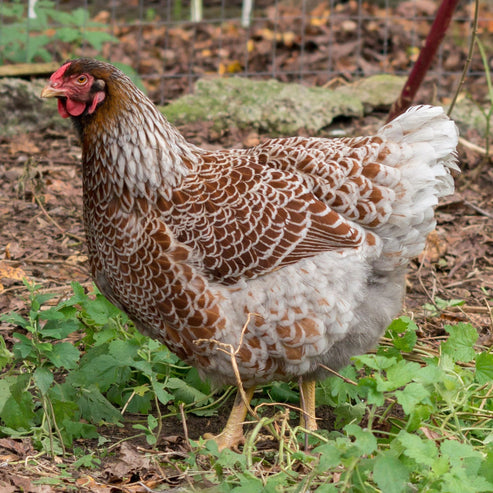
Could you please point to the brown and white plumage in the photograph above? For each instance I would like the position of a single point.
(312, 235)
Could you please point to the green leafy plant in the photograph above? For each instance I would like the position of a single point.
(59, 383)
(24, 40)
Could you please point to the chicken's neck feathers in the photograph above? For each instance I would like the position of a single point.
(132, 143)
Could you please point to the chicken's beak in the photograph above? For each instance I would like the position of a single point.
(52, 92)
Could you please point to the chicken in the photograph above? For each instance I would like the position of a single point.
(292, 253)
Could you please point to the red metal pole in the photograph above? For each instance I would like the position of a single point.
(418, 72)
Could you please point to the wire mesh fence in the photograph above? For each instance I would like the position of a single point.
(307, 41)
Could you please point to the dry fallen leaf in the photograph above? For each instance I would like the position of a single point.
(9, 272)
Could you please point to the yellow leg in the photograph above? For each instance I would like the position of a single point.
(307, 400)
(232, 434)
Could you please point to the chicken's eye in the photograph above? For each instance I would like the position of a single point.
(82, 79)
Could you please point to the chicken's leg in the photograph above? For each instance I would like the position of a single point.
(232, 434)
(307, 401)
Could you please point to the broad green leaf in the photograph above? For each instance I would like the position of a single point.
(79, 296)
(333, 391)
(163, 396)
(75, 430)
(402, 331)
(43, 378)
(65, 355)
(228, 458)
(422, 451)
(193, 378)
(14, 319)
(249, 484)
(100, 310)
(6, 356)
(101, 370)
(152, 422)
(411, 395)
(96, 408)
(390, 474)
(462, 455)
(329, 456)
(184, 392)
(80, 16)
(97, 38)
(18, 413)
(62, 18)
(5, 392)
(60, 329)
(373, 396)
(365, 440)
(275, 483)
(282, 392)
(418, 415)
(429, 374)
(442, 304)
(484, 368)
(88, 461)
(460, 344)
(123, 351)
(327, 488)
(398, 375)
(374, 361)
(41, 298)
(51, 314)
(458, 481)
(486, 468)
(347, 413)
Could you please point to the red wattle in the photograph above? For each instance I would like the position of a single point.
(62, 110)
(75, 108)
(97, 99)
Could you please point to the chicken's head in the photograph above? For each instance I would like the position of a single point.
(79, 91)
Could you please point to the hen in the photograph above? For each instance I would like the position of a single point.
(309, 235)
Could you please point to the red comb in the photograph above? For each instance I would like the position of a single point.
(59, 73)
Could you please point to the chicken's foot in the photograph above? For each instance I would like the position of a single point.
(232, 434)
(308, 418)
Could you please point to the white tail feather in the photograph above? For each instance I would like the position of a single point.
(423, 145)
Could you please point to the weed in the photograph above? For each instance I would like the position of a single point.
(76, 364)
(25, 40)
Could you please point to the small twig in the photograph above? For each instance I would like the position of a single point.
(45, 212)
(473, 147)
(184, 422)
(284, 404)
(468, 59)
(478, 209)
(159, 420)
(490, 311)
(345, 379)
(228, 349)
(132, 395)
(420, 279)
(468, 309)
